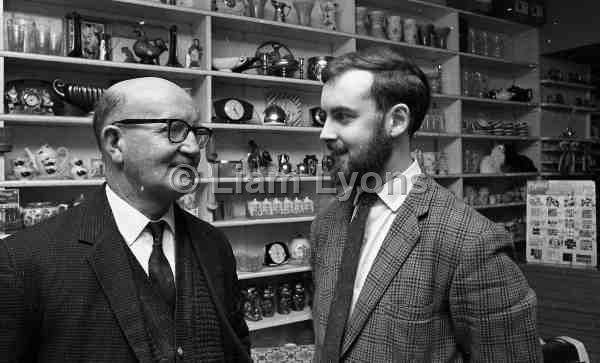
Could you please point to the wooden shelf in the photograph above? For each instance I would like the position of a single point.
(416, 51)
(499, 205)
(51, 62)
(501, 175)
(490, 101)
(273, 271)
(496, 63)
(242, 222)
(50, 183)
(237, 79)
(39, 120)
(280, 319)
(552, 83)
(499, 137)
(424, 8)
(561, 107)
(262, 128)
(266, 179)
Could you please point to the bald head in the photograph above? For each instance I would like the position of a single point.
(147, 97)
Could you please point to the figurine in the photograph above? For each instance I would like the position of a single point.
(329, 14)
(280, 14)
(254, 157)
(148, 50)
(311, 163)
(284, 164)
(194, 54)
(77, 50)
(492, 164)
(285, 299)
(23, 168)
(173, 61)
(12, 99)
(268, 301)
(105, 47)
(78, 170)
(298, 297)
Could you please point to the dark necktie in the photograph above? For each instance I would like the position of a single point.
(342, 298)
(159, 270)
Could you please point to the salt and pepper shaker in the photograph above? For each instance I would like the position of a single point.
(301, 65)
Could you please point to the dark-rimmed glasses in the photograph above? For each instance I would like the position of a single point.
(178, 129)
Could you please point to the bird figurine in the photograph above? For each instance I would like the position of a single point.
(148, 50)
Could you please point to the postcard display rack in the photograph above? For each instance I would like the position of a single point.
(463, 127)
(561, 223)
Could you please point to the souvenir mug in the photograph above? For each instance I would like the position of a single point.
(411, 32)
(304, 10)
(394, 28)
(362, 20)
(378, 23)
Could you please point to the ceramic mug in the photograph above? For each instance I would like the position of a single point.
(411, 32)
(378, 23)
(394, 28)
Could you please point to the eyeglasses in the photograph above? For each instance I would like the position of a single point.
(178, 129)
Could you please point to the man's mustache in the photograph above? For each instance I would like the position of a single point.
(336, 148)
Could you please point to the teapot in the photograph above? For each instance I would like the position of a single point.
(48, 162)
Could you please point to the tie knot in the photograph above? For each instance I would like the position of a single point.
(366, 199)
(156, 228)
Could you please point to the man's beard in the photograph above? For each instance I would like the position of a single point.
(370, 158)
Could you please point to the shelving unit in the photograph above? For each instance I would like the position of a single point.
(229, 35)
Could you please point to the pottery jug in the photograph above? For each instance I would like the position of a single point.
(48, 162)
(378, 23)
(304, 10)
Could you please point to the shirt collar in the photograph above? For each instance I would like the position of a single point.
(394, 191)
(131, 222)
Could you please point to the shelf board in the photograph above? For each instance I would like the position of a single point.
(501, 175)
(273, 271)
(578, 139)
(490, 101)
(496, 63)
(441, 135)
(280, 319)
(561, 107)
(499, 205)
(477, 20)
(246, 25)
(415, 51)
(262, 128)
(552, 83)
(47, 120)
(261, 81)
(446, 176)
(266, 179)
(242, 222)
(444, 97)
(24, 60)
(50, 183)
(422, 8)
(498, 137)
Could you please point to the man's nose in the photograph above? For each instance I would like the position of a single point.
(328, 132)
(190, 146)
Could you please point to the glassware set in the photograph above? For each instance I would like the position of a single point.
(33, 34)
(486, 43)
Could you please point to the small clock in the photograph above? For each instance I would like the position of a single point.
(233, 110)
(276, 253)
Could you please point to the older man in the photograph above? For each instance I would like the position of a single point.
(126, 276)
(407, 272)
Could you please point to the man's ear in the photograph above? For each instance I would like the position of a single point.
(397, 119)
(111, 139)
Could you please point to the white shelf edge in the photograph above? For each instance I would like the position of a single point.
(499, 137)
(273, 271)
(261, 78)
(498, 102)
(560, 106)
(102, 63)
(502, 175)
(266, 179)
(552, 83)
(499, 205)
(502, 61)
(50, 183)
(446, 135)
(46, 119)
(280, 319)
(241, 222)
(260, 127)
(416, 47)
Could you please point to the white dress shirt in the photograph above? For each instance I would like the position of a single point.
(380, 219)
(133, 226)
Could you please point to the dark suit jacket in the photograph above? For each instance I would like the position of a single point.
(441, 289)
(67, 291)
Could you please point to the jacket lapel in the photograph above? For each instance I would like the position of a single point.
(109, 262)
(396, 247)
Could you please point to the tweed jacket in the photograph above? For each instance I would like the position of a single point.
(441, 289)
(67, 292)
